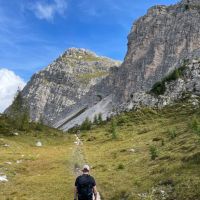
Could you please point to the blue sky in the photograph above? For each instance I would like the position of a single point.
(35, 32)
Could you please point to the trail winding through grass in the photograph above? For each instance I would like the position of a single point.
(79, 160)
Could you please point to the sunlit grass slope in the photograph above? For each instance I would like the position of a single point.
(156, 154)
(147, 154)
(36, 173)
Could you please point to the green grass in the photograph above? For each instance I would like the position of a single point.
(123, 167)
(85, 78)
(44, 172)
(122, 173)
(82, 57)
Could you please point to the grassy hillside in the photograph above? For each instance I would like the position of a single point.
(156, 154)
(35, 172)
(148, 154)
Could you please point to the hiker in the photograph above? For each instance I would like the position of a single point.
(85, 186)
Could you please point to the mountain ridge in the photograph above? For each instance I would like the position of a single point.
(62, 83)
(158, 43)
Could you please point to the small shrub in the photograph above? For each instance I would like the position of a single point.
(74, 130)
(162, 142)
(122, 120)
(195, 125)
(86, 125)
(159, 87)
(153, 152)
(39, 127)
(95, 119)
(100, 120)
(113, 129)
(172, 133)
(120, 166)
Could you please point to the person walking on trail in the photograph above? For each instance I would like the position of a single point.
(85, 186)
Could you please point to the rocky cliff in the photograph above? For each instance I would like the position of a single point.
(182, 83)
(158, 43)
(63, 83)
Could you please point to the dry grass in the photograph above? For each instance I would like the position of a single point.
(44, 172)
(123, 167)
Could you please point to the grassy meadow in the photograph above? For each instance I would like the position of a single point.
(153, 155)
(147, 154)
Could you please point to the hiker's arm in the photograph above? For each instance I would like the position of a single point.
(95, 192)
(75, 192)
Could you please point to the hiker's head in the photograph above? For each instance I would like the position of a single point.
(86, 169)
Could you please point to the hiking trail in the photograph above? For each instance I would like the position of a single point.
(79, 160)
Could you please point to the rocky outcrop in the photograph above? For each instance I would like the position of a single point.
(63, 83)
(187, 85)
(157, 43)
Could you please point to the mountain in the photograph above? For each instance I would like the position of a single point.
(63, 83)
(158, 43)
(80, 84)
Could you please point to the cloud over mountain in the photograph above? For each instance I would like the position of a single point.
(9, 84)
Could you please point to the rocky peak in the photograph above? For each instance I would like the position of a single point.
(64, 82)
(76, 52)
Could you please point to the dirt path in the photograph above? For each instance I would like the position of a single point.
(79, 160)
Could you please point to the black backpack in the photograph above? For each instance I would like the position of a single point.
(85, 188)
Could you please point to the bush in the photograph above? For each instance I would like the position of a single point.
(39, 126)
(86, 125)
(159, 87)
(120, 166)
(153, 152)
(122, 120)
(195, 125)
(113, 129)
(100, 120)
(172, 134)
(95, 119)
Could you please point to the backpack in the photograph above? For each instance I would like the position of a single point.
(85, 189)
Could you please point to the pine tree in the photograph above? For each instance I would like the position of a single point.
(100, 120)
(96, 120)
(86, 125)
(113, 129)
(19, 112)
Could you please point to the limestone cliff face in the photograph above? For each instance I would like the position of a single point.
(64, 82)
(157, 42)
(186, 86)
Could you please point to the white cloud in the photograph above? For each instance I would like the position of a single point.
(47, 11)
(9, 84)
